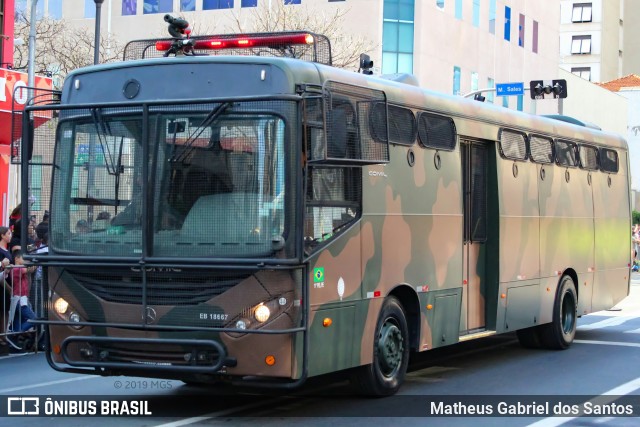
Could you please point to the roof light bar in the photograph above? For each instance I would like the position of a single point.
(245, 42)
(163, 45)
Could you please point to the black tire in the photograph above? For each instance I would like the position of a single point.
(529, 337)
(559, 334)
(390, 353)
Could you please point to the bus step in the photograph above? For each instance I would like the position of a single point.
(476, 335)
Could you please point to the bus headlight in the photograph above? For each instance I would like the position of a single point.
(61, 306)
(66, 312)
(262, 313)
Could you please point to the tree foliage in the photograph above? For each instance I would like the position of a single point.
(345, 47)
(60, 47)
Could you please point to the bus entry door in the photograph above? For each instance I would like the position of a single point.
(474, 184)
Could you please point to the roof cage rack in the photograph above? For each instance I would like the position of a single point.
(303, 45)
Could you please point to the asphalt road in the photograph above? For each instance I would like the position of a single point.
(603, 361)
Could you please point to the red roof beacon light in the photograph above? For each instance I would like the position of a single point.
(274, 41)
(303, 45)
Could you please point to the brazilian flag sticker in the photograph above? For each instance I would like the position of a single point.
(318, 274)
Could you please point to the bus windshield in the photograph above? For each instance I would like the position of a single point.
(214, 183)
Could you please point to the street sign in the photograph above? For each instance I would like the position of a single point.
(510, 89)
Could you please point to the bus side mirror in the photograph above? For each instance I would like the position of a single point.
(336, 134)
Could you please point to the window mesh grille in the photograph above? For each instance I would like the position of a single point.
(436, 131)
(513, 145)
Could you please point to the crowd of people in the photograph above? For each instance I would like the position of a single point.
(16, 278)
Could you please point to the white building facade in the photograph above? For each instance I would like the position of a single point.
(453, 46)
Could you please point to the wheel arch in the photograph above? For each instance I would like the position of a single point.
(408, 298)
(574, 276)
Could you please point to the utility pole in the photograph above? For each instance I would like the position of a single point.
(31, 66)
(96, 50)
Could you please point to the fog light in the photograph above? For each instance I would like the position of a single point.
(87, 353)
(74, 317)
(241, 324)
(262, 313)
(61, 306)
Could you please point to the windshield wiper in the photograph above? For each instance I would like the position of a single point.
(208, 121)
(103, 130)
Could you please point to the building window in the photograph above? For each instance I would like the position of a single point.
(505, 101)
(458, 9)
(476, 13)
(474, 81)
(89, 8)
(397, 36)
(217, 4)
(507, 23)
(440, 4)
(492, 16)
(456, 80)
(521, 31)
(534, 37)
(129, 7)
(55, 9)
(157, 6)
(491, 83)
(292, 1)
(581, 12)
(187, 5)
(584, 72)
(520, 102)
(581, 45)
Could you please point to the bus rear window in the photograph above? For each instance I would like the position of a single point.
(609, 160)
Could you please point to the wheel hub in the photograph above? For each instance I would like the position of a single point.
(390, 348)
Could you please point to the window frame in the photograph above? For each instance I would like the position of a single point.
(424, 142)
(575, 151)
(603, 164)
(579, 41)
(516, 132)
(581, 8)
(597, 151)
(551, 144)
(579, 70)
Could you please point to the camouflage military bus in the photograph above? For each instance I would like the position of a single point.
(264, 217)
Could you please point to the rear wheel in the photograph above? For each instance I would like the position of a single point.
(390, 353)
(559, 334)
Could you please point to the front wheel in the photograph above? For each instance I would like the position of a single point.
(390, 353)
(559, 334)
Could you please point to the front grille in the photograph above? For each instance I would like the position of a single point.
(168, 357)
(166, 287)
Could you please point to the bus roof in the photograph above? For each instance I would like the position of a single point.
(300, 71)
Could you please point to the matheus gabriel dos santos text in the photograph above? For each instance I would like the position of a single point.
(531, 408)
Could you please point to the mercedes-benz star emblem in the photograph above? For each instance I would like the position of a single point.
(150, 315)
